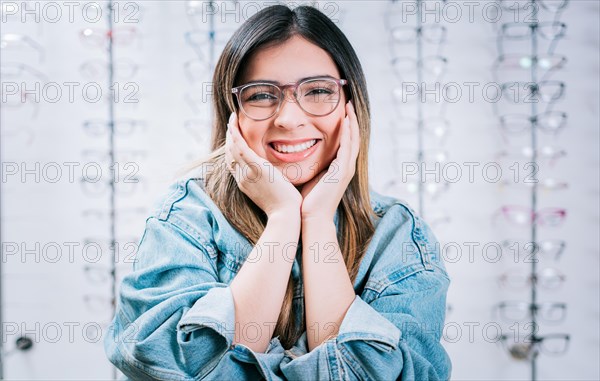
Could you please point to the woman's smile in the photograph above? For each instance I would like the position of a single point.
(293, 153)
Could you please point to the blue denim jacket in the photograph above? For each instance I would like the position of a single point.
(175, 314)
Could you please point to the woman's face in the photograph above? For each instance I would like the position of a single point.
(287, 63)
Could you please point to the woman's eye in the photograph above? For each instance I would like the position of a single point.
(319, 91)
(258, 97)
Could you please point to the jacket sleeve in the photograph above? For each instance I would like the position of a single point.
(174, 319)
(392, 331)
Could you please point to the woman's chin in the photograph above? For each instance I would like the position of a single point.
(298, 183)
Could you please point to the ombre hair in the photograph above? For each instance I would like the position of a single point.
(273, 26)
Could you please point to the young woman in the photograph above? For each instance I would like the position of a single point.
(277, 261)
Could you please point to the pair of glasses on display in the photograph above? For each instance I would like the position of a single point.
(549, 122)
(430, 68)
(548, 5)
(436, 128)
(19, 135)
(433, 35)
(128, 186)
(104, 216)
(518, 64)
(427, 158)
(102, 307)
(549, 312)
(207, 45)
(199, 129)
(316, 96)
(98, 274)
(18, 41)
(123, 68)
(200, 13)
(548, 278)
(528, 251)
(197, 70)
(121, 156)
(100, 37)
(546, 154)
(123, 126)
(21, 104)
(433, 190)
(546, 185)
(524, 216)
(125, 249)
(524, 347)
(552, 31)
(533, 92)
(20, 71)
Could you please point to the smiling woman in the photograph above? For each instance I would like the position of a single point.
(277, 260)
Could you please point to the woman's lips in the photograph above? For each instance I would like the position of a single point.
(294, 156)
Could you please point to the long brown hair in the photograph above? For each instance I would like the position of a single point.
(271, 26)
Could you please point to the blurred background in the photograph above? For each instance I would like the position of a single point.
(484, 118)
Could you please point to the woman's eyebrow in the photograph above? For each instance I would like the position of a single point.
(300, 80)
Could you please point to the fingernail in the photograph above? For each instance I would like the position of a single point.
(231, 117)
(351, 105)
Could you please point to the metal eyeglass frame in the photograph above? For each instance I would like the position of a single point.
(282, 88)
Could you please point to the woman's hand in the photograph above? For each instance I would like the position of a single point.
(323, 193)
(262, 182)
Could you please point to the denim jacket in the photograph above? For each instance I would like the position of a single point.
(175, 315)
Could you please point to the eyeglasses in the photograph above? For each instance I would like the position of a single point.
(547, 184)
(96, 37)
(101, 306)
(550, 312)
(550, 122)
(431, 33)
(426, 156)
(15, 40)
(122, 156)
(125, 126)
(129, 214)
(436, 128)
(315, 96)
(200, 40)
(18, 70)
(552, 248)
(549, 278)
(521, 215)
(96, 68)
(530, 92)
(549, 30)
(552, 5)
(98, 274)
(127, 187)
(552, 154)
(525, 346)
(432, 189)
(548, 63)
(197, 70)
(19, 135)
(432, 66)
(199, 129)
(206, 9)
(124, 249)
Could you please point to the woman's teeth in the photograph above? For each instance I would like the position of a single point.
(283, 148)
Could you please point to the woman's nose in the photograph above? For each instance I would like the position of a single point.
(290, 113)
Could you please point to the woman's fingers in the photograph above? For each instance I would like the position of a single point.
(246, 154)
(354, 130)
